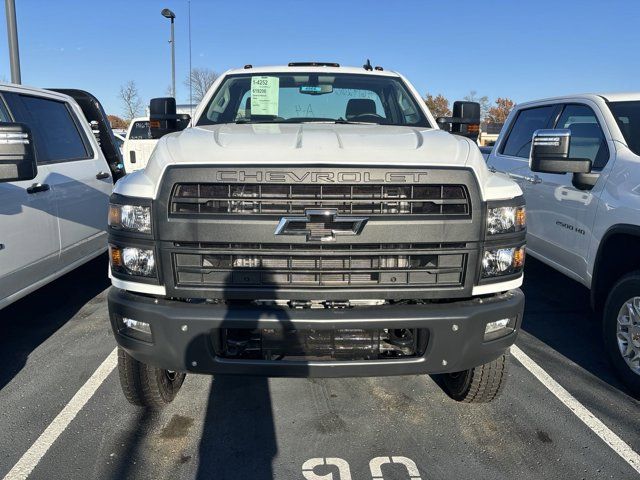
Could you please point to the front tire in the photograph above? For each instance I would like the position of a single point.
(621, 329)
(147, 386)
(481, 384)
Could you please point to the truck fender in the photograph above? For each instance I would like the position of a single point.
(605, 273)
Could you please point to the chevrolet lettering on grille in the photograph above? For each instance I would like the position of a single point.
(321, 225)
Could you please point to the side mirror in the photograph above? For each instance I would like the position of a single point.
(550, 153)
(465, 120)
(17, 153)
(163, 118)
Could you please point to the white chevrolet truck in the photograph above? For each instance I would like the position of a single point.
(577, 159)
(313, 220)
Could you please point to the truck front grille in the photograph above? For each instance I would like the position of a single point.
(318, 266)
(258, 199)
(222, 234)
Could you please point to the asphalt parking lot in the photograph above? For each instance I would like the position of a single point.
(52, 342)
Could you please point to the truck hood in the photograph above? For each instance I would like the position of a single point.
(311, 144)
(309, 141)
(308, 137)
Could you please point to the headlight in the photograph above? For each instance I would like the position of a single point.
(502, 261)
(132, 261)
(133, 218)
(506, 219)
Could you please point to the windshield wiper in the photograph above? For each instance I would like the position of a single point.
(246, 120)
(342, 121)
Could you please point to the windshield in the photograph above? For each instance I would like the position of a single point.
(313, 97)
(628, 117)
(140, 131)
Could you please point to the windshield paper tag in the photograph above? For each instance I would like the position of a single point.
(264, 95)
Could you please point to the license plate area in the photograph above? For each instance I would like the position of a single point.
(320, 344)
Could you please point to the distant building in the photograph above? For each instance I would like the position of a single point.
(489, 133)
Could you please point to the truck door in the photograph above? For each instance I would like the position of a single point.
(79, 177)
(96, 116)
(561, 216)
(29, 239)
(511, 154)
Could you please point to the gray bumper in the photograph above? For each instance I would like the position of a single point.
(182, 334)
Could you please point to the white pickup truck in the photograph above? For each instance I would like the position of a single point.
(581, 182)
(58, 161)
(138, 145)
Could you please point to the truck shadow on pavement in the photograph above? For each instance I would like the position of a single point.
(29, 322)
(239, 437)
(558, 313)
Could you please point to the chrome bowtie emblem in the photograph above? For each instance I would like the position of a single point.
(321, 225)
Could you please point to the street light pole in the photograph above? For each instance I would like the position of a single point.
(12, 32)
(170, 15)
(173, 61)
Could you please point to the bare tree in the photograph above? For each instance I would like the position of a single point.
(200, 80)
(483, 101)
(131, 101)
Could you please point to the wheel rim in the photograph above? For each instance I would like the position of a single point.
(628, 333)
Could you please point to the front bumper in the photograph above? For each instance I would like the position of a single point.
(182, 334)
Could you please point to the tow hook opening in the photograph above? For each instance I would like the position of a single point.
(401, 337)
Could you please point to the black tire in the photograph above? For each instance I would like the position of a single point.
(147, 386)
(626, 288)
(481, 384)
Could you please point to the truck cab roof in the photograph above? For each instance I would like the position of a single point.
(40, 92)
(595, 97)
(314, 69)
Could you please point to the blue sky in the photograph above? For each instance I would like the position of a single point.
(522, 50)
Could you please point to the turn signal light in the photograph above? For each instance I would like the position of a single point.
(116, 256)
(114, 214)
(521, 217)
(518, 258)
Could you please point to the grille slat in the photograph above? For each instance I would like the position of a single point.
(256, 199)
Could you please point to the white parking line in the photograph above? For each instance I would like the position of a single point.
(589, 419)
(32, 457)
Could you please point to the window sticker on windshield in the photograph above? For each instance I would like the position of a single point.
(264, 95)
